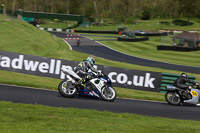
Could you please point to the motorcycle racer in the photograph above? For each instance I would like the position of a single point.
(83, 68)
(181, 83)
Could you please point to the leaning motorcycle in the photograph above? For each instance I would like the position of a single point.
(174, 96)
(101, 86)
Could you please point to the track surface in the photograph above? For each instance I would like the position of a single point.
(94, 48)
(52, 98)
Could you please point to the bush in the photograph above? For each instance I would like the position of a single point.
(181, 22)
(146, 14)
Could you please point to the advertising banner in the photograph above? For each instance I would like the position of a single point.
(51, 67)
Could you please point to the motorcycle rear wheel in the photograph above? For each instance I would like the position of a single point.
(66, 89)
(172, 98)
(108, 94)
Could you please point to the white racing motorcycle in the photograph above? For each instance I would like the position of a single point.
(100, 84)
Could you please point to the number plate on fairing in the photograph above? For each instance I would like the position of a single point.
(97, 83)
(100, 84)
(194, 93)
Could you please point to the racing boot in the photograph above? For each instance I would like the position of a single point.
(189, 96)
(85, 84)
(80, 82)
(184, 94)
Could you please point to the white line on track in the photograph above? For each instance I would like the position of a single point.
(68, 44)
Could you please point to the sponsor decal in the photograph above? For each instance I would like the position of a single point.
(50, 67)
(122, 78)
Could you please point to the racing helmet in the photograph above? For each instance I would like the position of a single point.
(184, 75)
(91, 60)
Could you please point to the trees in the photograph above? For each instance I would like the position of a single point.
(115, 10)
(13, 6)
(188, 8)
(5, 4)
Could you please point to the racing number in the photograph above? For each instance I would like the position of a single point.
(194, 93)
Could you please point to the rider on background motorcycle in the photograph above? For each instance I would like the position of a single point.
(181, 83)
(83, 70)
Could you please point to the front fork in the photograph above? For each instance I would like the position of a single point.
(107, 88)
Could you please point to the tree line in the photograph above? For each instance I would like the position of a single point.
(112, 10)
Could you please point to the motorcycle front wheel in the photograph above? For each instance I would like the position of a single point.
(108, 93)
(66, 89)
(172, 98)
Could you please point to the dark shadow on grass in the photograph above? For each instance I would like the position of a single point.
(165, 23)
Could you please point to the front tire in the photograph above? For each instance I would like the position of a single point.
(66, 89)
(108, 94)
(173, 98)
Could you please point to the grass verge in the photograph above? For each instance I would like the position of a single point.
(25, 118)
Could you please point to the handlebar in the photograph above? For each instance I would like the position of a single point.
(101, 74)
(198, 86)
(96, 75)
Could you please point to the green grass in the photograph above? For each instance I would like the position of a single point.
(25, 118)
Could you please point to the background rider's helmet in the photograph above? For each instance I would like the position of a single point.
(91, 60)
(184, 75)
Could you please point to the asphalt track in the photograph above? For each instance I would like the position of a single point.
(93, 47)
(52, 98)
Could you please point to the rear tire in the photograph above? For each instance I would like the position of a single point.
(66, 89)
(108, 94)
(172, 98)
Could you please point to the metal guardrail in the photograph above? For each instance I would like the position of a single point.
(168, 79)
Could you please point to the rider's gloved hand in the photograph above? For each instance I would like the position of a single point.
(99, 73)
(89, 76)
(197, 84)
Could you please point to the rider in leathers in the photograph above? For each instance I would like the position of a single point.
(83, 68)
(181, 83)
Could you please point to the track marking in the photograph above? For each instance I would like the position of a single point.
(68, 44)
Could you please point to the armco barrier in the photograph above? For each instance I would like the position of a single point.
(168, 79)
(56, 29)
(93, 31)
(132, 40)
(116, 32)
(152, 34)
(147, 34)
(176, 48)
